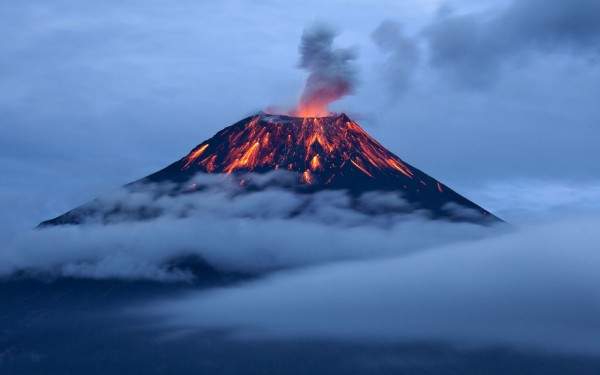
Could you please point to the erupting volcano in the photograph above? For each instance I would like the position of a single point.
(324, 153)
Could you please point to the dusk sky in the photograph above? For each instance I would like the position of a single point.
(497, 99)
(97, 95)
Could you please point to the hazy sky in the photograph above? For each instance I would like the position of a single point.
(477, 94)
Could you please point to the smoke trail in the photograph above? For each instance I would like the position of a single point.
(331, 72)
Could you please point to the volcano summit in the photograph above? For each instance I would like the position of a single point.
(324, 153)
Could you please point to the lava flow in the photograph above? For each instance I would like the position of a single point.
(324, 153)
(318, 148)
(331, 152)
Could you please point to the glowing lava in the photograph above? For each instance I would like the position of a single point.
(324, 153)
(317, 96)
(318, 148)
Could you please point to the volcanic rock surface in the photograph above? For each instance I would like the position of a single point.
(324, 153)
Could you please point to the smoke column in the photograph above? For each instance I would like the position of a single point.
(331, 71)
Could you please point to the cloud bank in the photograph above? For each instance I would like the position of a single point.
(534, 288)
(248, 233)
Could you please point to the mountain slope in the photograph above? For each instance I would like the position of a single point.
(325, 153)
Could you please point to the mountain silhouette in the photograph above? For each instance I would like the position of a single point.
(324, 153)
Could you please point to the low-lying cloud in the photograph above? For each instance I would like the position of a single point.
(534, 288)
(249, 233)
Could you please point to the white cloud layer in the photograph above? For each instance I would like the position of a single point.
(249, 233)
(534, 288)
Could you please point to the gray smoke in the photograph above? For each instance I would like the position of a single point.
(475, 48)
(331, 71)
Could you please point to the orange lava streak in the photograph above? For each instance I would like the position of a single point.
(266, 139)
(307, 177)
(315, 163)
(248, 159)
(209, 163)
(355, 127)
(313, 147)
(194, 155)
(400, 167)
(362, 168)
(313, 132)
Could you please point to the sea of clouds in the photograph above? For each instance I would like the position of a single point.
(252, 233)
(323, 269)
(533, 288)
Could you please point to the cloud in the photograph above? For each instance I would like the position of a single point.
(474, 47)
(532, 200)
(536, 288)
(232, 232)
(402, 56)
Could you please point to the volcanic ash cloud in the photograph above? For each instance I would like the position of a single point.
(331, 71)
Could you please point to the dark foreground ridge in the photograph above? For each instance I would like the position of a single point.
(324, 153)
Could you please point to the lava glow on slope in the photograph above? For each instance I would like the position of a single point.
(324, 153)
(314, 147)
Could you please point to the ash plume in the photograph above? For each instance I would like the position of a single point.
(331, 71)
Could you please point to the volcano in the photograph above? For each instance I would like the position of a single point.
(323, 153)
